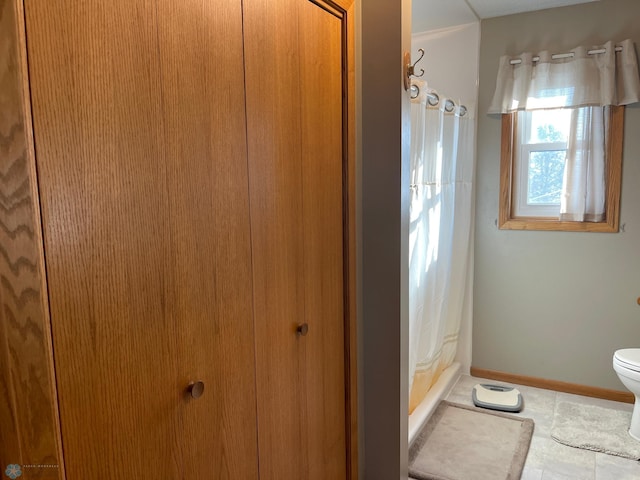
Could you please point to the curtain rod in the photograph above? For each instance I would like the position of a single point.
(557, 56)
(433, 99)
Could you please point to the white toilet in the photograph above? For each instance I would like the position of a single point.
(626, 363)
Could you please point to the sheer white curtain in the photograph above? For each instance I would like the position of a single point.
(440, 269)
(587, 80)
(583, 188)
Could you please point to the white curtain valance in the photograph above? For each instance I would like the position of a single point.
(584, 79)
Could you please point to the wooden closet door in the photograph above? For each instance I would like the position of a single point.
(140, 142)
(294, 77)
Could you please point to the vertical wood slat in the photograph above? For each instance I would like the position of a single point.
(614, 166)
(204, 138)
(102, 176)
(273, 138)
(295, 85)
(29, 430)
(346, 11)
(350, 199)
(506, 168)
(321, 194)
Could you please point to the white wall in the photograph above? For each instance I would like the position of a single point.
(451, 67)
(429, 15)
(450, 61)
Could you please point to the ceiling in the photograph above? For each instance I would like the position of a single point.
(435, 14)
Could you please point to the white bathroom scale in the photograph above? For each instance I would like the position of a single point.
(497, 397)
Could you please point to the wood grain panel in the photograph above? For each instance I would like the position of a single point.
(29, 434)
(322, 163)
(140, 152)
(208, 216)
(102, 175)
(295, 85)
(275, 178)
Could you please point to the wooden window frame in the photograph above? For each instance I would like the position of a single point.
(613, 179)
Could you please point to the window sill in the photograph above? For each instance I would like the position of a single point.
(551, 225)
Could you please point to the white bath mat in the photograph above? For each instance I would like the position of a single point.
(594, 428)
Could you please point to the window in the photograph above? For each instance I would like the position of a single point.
(593, 83)
(534, 148)
(539, 162)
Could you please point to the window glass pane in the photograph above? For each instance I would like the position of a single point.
(549, 126)
(545, 172)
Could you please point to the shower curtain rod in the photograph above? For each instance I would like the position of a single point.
(557, 56)
(433, 99)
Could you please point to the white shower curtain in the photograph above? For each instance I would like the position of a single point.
(440, 250)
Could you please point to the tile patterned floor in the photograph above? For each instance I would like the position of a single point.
(547, 459)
